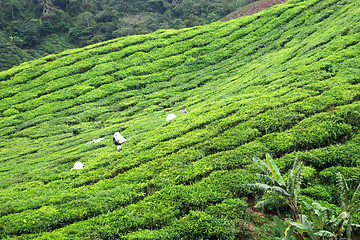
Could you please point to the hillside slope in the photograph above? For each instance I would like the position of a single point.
(285, 81)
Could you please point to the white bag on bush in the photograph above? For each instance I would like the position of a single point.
(170, 117)
(120, 139)
(78, 165)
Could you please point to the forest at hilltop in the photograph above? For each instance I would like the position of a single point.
(33, 28)
(284, 82)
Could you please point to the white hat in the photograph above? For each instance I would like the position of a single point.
(78, 165)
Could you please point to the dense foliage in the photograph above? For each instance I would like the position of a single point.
(313, 221)
(284, 81)
(33, 28)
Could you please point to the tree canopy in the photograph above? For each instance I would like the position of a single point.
(40, 27)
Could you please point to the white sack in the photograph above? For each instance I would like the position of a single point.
(95, 141)
(78, 165)
(120, 139)
(170, 117)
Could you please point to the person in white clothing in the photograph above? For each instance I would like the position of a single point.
(118, 140)
(183, 109)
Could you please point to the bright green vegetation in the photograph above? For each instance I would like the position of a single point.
(284, 82)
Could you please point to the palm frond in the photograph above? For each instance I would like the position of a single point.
(264, 167)
(288, 235)
(271, 201)
(266, 178)
(356, 197)
(281, 191)
(274, 170)
(280, 226)
(295, 179)
(265, 187)
(258, 186)
(343, 190)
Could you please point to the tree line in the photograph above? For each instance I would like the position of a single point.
(28, 24)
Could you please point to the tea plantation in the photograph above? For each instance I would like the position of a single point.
(285, 81)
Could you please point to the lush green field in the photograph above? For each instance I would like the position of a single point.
(285, 81)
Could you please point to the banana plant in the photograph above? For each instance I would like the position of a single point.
(323, 223)
(275, 183)
(318, 225)
(349, 203)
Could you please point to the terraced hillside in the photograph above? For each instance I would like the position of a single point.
(285, 81)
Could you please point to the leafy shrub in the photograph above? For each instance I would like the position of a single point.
(10, 112)
(200, 225)
(319, 192)
(229, 208)
(352, 174)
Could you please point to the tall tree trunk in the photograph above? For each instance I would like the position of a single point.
(48, 6)
(12, 11)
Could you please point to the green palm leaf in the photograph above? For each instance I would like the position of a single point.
(355, 199)
(324, 233)
(258, 186)
(264, 167)
(274, 170)
(266, 178)
(280, 226)
(343, 190)
(281, 191)
(271, 201)
(295, 179)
